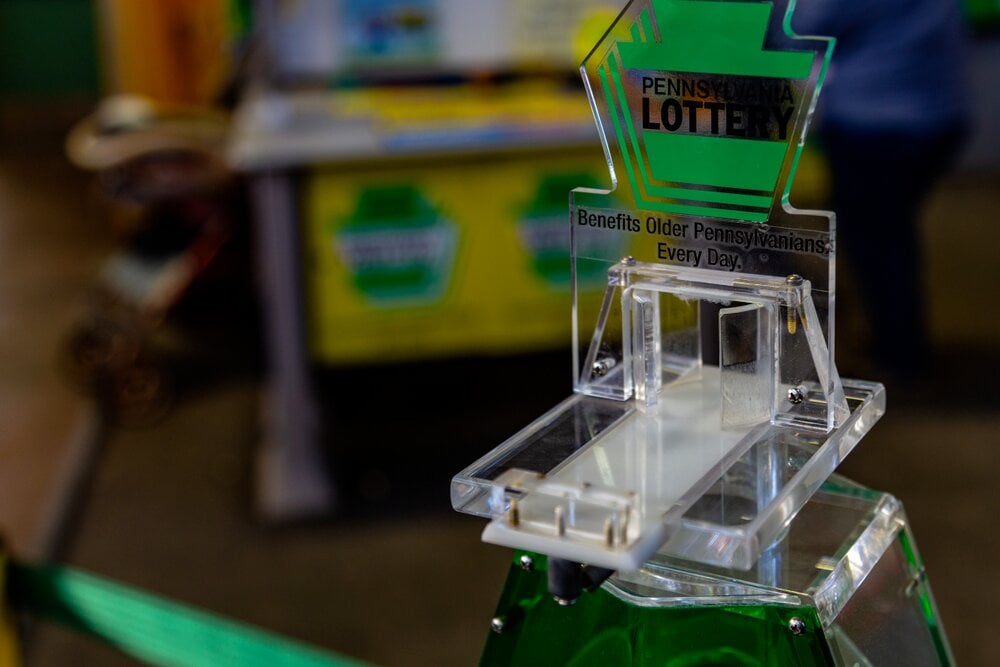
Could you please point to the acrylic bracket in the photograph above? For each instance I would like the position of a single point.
(754, 356)
(661, 451)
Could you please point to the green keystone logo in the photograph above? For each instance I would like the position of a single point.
(699, 113)
(544, 235)
(398, 247)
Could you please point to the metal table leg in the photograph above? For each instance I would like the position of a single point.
(291, 478)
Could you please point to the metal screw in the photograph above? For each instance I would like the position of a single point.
(628, 260)
(796, 395)
(497, 624)
(564, 602)
(797, 626)
(794, 280)
(602, 367)
(527, 563)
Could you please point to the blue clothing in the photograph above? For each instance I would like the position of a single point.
(892, 114)
(897, 65)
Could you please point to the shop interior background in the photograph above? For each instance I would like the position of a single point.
(216, 384)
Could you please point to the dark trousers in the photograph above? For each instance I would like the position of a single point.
(880, 181)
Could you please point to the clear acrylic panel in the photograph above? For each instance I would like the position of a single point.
(703, 108)
(821, 558)
(746, 364)
(849, 554)
(599, 481)
(891, 619)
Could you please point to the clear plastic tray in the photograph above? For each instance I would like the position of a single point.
(598, 481)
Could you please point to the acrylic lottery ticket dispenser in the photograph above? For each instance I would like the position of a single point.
(692, 465)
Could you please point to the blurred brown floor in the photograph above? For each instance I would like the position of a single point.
(169, 506)
(51, 241)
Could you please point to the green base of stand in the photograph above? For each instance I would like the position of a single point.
(602, 630)
(844, 587)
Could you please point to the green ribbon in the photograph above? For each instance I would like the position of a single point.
(150, 628)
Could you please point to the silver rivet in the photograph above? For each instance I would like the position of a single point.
(794, 280)
(796, 395)
(628, 260)
(797, 626)
(563, 602)
(497, 624)
(527, 563)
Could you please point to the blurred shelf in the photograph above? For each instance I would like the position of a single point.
(287, 129)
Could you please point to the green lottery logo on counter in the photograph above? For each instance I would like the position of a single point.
(543, 233)
(398, 248)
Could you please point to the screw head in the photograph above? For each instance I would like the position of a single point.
(564, 602)
(628, 260)
(794, 280)
(796, 395)
(527, 563)
(797, 626)
(497, 624)
(603, 366)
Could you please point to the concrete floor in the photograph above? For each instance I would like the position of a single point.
(169, 506)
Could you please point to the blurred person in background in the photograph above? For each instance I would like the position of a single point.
(892, 117)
